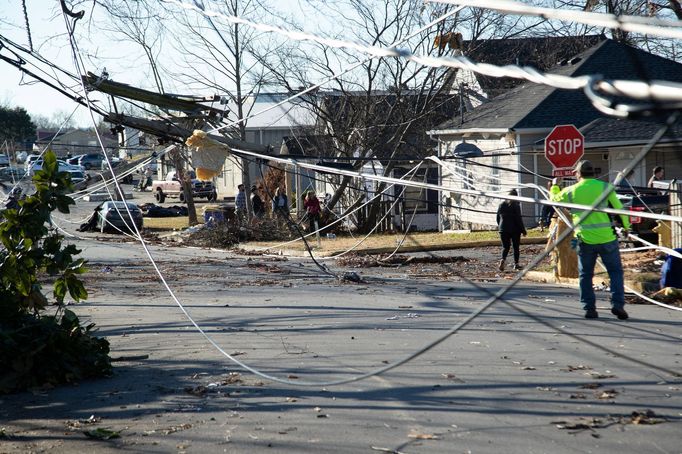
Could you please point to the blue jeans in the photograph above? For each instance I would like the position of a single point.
(610, 256)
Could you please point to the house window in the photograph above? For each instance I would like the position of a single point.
(425, 200)
(495, 179)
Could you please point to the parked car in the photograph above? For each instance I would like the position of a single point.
(171, 187)
(4, 160)
(21, 156)
(63, 166)
(91, 160)
(11, 173)
(641, 202)
(77, 176)
(114, 214)
(74, 159)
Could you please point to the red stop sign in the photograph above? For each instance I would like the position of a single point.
(564, 146)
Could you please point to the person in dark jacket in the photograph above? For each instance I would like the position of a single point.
(257, 204)
(510, 225)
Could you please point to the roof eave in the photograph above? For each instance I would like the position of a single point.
(445, 132)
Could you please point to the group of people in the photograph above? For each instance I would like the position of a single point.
(595, 234)
(280, 206)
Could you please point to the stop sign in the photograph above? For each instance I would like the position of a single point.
(564, 147)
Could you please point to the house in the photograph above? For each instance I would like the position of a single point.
(268, 126)
(380, 132)
(74, 142)
(509, 131)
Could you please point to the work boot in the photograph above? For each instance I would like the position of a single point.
(517, 267)
(591, 313)
(501, 267)
(620, 313)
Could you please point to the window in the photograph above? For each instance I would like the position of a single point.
(425, 200)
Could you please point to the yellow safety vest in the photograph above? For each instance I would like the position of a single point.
(596, 228)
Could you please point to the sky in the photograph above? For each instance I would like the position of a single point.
(35, 98)
(46, 23)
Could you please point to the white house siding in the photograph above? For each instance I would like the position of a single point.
(473, 211)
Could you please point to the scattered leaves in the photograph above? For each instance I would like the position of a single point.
(645, 417)
(179, 428)
(607, 394)
(196, 390)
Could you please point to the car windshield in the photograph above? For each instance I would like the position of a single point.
(121, 205)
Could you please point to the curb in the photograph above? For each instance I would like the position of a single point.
(387, 250)
(549, 278)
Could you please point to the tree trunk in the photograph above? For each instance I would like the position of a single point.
(186, 185)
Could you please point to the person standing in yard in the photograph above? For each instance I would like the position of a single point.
(280, 205)
(657, 175)
(240, 203)
(257, 203)
(312, 209)
(510, 226)
(596, 237)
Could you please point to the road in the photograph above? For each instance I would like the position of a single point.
(543, 381)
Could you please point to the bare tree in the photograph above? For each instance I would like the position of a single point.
(226, 58)
(383, 108)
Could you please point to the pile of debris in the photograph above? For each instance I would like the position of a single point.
(228, 234)
(369, 261)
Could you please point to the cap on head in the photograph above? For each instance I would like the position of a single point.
(240, 186)
(513, 192)
(585, 168)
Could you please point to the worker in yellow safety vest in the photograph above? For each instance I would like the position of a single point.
(596, 236)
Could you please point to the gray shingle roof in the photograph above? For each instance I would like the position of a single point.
(539, 106)
(610, 130)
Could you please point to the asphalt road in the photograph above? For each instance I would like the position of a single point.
(547, 381)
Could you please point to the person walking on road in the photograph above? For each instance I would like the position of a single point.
(510, 226)
(596, 237)
(240, 203)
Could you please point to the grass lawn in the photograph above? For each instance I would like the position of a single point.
(166, 224)
(390, 240)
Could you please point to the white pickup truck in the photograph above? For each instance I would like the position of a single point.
(171, 187)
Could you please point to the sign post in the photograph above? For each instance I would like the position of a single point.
(564, 147)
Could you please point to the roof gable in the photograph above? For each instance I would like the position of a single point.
(539, 106)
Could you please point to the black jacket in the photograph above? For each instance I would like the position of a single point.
(509, 218)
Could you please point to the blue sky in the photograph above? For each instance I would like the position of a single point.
(46, 22)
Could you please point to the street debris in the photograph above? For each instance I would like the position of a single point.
(669, 295)
(101, 434)
(422, 436)
(351, 276)
(607, 394)
(578, 425)
(388, 450)
(369, 261)
(408, 315)
(452, 377)
(179, 428)
(645, 417)
(78, 423)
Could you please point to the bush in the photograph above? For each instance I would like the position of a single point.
(36, 347)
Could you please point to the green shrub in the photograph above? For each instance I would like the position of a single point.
(37, 347)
